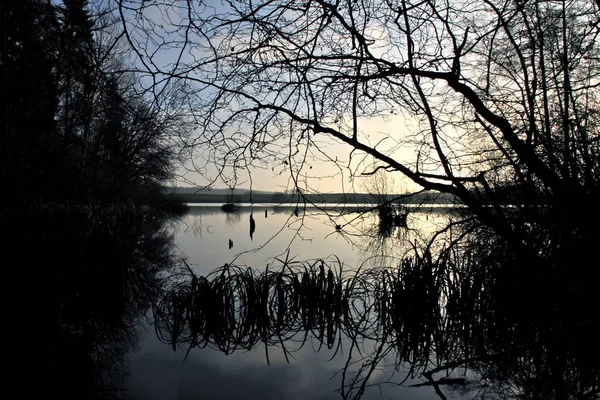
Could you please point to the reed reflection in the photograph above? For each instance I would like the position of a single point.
(470, 316)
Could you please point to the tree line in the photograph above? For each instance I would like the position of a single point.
(83, 149)
(77, 123)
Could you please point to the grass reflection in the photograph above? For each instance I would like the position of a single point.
(474, 318)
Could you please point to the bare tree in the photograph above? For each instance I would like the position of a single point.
(381, 187)
(501, 96)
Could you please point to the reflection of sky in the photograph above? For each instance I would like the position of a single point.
(157, 372)
(203, 237)
(209, 374)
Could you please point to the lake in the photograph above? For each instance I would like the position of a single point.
(203, 238)
(136, 302)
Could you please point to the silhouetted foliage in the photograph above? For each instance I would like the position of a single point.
(499, 98)
(500, 105)
(75, 125)
(81, 149)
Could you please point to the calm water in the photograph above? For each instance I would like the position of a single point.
(208, 238)
(202, 236)
(112, 296)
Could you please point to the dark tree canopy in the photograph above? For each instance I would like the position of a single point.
(83, 156)
(77, 124)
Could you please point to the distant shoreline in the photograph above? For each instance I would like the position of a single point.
(221, 196)
(346, 207)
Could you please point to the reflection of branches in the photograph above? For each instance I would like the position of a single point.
(233, 218)
(378, 240)
(195, 226)
(461, 311)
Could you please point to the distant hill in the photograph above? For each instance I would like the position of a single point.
(197, 195)
(196, 190)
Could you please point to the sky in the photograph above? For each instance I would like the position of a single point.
(335, 175)
(318, 175)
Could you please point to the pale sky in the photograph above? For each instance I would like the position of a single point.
(316, 175)
(324, 176)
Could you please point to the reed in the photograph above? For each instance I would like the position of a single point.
(239, 308)
(434, 315)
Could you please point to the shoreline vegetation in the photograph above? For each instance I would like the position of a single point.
(84, 154)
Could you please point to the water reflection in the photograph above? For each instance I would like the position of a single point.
(233, 218)
(470, 317)
(252, 225)
(380, 243)
(85, 276)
